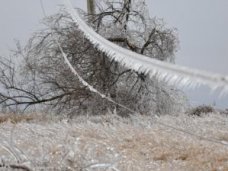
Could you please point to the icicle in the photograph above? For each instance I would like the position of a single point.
(140, 63)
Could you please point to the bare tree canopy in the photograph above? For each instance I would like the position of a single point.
(44, 80)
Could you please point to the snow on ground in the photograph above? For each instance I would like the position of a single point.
(138, 143)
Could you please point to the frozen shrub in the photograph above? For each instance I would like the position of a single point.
(198, 111)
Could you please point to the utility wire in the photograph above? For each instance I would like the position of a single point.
(110, 100)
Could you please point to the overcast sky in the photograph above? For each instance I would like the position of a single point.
(202, 26)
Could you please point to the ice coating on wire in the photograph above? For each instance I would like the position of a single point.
(86, 84)
(172, 74)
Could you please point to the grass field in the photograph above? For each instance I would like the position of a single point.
(138, 143)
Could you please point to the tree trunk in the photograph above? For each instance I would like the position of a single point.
(127, 4)
(91, 7)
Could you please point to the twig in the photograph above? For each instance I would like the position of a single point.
(18, 166)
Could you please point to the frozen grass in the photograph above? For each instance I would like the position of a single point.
(112, 143)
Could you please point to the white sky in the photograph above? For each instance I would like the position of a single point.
(202, 26)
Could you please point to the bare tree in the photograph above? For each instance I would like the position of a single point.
(47, 81)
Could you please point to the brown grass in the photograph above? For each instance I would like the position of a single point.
(134, 145)
(15, 118)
